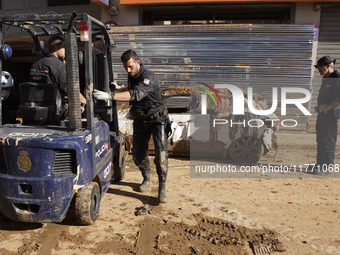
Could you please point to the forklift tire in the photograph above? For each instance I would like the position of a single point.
(87, 204)
(119, 166)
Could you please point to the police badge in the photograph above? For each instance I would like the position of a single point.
(24, 161)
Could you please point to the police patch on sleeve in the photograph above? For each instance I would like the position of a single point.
(146, 81)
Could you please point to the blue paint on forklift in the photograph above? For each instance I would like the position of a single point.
(41, 169)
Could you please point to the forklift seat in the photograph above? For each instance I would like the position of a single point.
(40, 103)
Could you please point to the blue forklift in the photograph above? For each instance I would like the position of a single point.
(48, 163)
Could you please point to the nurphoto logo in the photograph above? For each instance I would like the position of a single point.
(239, 100)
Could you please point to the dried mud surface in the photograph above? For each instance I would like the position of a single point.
(288, 215)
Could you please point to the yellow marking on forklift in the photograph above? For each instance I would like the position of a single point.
(16, 141)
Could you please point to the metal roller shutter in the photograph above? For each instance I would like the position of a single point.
(258, 56)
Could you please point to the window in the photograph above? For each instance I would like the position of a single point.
(51, 3)
(217, 14)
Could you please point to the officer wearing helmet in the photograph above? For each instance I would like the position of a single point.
(10, 101)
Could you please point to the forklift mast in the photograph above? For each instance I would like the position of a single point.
(73, 27)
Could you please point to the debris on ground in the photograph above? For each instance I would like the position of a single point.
(144, 210)
(176, 91)
(264, 249)
(208, 236)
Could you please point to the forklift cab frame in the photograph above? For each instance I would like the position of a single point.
(46, 168)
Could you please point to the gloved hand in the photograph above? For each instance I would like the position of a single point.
(102, 95)
(117, 87)
(82, 107)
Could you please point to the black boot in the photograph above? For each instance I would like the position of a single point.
(146, 183)
(161, 192)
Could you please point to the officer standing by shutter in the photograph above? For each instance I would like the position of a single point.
(328, 115)
(150, 118)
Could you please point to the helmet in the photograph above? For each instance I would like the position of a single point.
(6, 79)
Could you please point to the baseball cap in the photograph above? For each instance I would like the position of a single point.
(325, 60)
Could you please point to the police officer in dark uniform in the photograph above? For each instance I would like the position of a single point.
(328, 114)
(150, 119)
(50, 68)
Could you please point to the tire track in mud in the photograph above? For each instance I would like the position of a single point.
(45, 241)
(208, 236)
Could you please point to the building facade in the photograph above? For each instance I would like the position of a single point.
(324, 15)
(96, 8)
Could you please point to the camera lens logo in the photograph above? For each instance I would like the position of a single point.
(204, 97)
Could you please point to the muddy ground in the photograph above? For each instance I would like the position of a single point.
(288, 215)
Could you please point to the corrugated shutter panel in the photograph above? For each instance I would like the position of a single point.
(328, 44)
(258, 56)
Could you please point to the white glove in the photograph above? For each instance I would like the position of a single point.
(82, 107)
(102, 95)
(117, 87)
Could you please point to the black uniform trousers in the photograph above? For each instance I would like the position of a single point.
(326, 136)
(142, 132)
